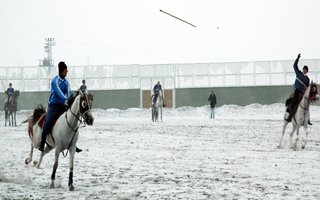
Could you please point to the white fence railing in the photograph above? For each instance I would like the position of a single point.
(98, 77)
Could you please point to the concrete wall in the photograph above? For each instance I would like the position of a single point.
(103, 99)
(123, 99)
(233, 95)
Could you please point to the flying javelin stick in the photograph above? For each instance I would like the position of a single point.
(177, 18)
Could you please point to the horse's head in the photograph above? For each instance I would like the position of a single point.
(85, 107)
(313, 93)
(16, 94)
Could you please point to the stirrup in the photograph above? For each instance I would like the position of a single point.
(78, 150)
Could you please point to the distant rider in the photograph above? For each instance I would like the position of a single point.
(300, 85)
(83, 87)
(9, 92)
(156, 90)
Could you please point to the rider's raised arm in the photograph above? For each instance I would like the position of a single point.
(295, 65)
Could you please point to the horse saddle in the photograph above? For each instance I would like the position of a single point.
(43, 117)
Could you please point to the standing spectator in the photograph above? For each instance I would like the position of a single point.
(212, 101)
(83, 87)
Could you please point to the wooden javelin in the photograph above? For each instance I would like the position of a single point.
(177, 18)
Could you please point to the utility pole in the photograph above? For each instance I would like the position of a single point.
(47, 62)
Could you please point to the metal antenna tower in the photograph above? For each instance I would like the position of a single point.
(47, 62)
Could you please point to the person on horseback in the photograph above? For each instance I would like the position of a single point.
(57, 102)
(9, 92)
(83, 87)
(300, 85)
(156, 90)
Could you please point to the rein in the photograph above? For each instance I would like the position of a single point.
(75, 130)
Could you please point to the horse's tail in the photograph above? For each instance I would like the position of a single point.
(37, 113)
(32, 120)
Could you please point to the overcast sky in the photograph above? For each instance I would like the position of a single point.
(136, 32)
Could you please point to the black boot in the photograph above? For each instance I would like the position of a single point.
(309, 122)
(43, 142)
(289, 118)
(78, 150)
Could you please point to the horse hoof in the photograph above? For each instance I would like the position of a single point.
(27, 161)
(51, 185)
(35, 163)
(71, 188)
(302, 146)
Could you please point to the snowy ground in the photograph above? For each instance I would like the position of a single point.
(187, 156)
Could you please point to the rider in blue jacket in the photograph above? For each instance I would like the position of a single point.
(300, 85)
(9, 92)
(156, 90)
(57, 103)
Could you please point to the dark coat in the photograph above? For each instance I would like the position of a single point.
(302, 81)
(157, 88)
(213, 100)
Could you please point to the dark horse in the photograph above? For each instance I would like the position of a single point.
(10, 108)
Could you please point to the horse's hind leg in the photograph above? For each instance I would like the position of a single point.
(70, 183)
(296, 141)
(28, 160)
(46, 150)
(55, 166)
(283, 131)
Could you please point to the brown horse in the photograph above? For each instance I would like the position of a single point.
(10, 108)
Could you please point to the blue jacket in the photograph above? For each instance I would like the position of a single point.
(60, 91)
(10, 91)
(302, 81)
(157, 88)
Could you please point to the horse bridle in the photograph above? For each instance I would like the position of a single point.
(308, 98)
(83, 105)
(79, 120)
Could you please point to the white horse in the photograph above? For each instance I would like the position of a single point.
(156, 109)
(301, 117)
(64, 135)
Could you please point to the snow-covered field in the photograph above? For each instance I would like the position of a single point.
(187, 156)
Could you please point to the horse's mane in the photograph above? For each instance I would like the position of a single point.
(72, 98)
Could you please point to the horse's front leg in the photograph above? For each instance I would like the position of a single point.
(283, 131)
(10, 116)
(15, 122)
(71, 161)
(28, 160)
(55, 166)
(305, 139)
(294, 127)
(296, 141)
